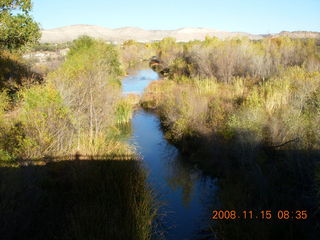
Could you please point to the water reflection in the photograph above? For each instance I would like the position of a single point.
(182, 187)
(180, 175)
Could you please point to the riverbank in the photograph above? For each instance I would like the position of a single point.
(256, 131)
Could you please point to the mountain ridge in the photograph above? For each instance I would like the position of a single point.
(72, 32)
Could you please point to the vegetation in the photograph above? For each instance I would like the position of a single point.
(17, 30)
(124, 111)
(15, 73)
(48, 124)
(89, 86)
(87, 199)
(134, 54)
(75, 109)
(276, 102)
(74, 114)
(248, 112)
(245, 111)
(51, 47)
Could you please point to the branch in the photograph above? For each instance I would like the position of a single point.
(283, 144)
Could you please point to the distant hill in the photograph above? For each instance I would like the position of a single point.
(69, 33)
(299, 34)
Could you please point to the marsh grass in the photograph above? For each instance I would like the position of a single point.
(206, 87)
(76, 199)
(124, 110)
(105, 144)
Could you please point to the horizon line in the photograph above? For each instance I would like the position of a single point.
(205, 28)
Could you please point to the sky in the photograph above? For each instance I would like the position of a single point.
(253, 16)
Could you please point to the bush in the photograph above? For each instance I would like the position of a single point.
(242, 57)
(283, 108)
(15, 73)
(4, 104)
(46, 122)
(4, 156)
(74, 110)
(89, 86)
(134, 54)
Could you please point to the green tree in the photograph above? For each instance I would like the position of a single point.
(17, 28)
(45, 122)
(89, 86)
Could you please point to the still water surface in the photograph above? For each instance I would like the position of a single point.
(180, 186)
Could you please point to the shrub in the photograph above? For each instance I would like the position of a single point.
(134, 54)
(15, 73)
(4, 104)
(89, 87)
(242, 57)
(46, 122)
(5, 156)
(285, 106)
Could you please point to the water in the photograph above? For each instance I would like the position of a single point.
(137, 83)
(181, 187)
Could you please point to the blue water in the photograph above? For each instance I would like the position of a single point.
(137, 83)
(182, 189)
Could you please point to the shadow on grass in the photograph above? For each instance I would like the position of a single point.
(257, 176)
(14, 74)
(75, 199)
(282, 180)
(254, 177)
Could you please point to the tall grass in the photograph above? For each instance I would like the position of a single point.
(284, 107)
(87, 199)
(124, 110)
(206, 87)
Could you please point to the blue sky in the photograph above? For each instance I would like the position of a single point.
(254, 16)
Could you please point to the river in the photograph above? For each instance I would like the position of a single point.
(183, 190)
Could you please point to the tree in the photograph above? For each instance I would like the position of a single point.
(89, 86)
(17, 28)
(46, 123)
